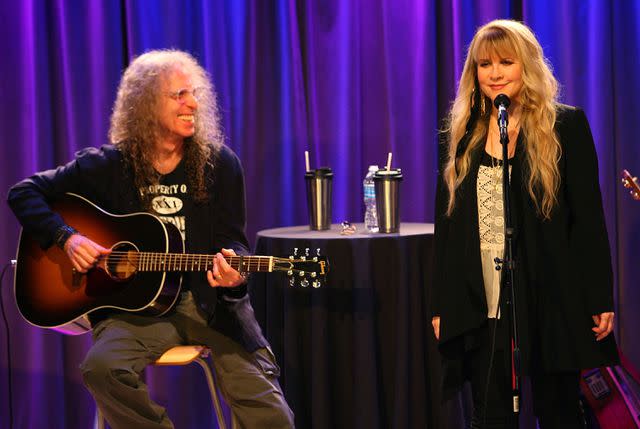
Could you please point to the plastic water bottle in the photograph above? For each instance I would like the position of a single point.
(370, 214)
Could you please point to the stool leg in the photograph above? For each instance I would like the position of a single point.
(214, 393)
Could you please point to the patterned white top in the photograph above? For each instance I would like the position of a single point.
(491, 224)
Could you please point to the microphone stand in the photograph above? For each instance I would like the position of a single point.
(507, 264)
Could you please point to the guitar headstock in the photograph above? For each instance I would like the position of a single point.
(632, 183)
(305, 268)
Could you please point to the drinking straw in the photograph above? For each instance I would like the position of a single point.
(389, 161)
(306, 160)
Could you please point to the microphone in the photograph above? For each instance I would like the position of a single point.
(502, 103)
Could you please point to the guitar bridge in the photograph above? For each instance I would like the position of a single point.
(596, 383)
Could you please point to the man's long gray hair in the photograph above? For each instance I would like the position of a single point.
(135, 127)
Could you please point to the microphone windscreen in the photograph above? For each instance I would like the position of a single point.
(502, 99)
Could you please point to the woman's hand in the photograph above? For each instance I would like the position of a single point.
(435, 322)
(604, 324)
(83, 253)
(223, 275)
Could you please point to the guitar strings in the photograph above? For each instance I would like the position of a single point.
(129, 255)
(157, 261)
(185, 261)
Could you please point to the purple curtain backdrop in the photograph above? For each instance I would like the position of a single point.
(347, 80)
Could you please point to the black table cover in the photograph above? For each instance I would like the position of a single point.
(358, 352)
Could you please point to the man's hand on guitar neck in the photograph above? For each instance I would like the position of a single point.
(83, 253)
(223, 275)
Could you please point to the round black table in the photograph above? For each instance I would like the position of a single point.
(359, 351)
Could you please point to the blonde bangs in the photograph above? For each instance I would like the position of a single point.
(494, 41)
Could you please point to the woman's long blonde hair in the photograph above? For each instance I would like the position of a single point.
(538, 98)
(134, 122)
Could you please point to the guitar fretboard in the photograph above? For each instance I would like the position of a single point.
(150, 261)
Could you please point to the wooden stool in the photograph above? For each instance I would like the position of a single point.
(184, 355)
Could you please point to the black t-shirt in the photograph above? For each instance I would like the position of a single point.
(172, 202)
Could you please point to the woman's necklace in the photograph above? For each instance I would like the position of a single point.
(494, 143)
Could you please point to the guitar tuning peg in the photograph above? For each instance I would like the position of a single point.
(290, 273)
(315, 259)
(313, 275)
(295, 251)
(304, 283)
(318, 251)
(306, 252)
(316, 284)
(301, 273)
(292, 282)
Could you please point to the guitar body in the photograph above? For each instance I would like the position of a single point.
(50, 294)
(613, 395)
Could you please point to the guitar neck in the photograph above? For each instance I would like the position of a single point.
(149, 261)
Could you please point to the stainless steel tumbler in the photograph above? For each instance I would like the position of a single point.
(319, 197)
(387, 184)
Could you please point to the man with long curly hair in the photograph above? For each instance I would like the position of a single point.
(166, 157)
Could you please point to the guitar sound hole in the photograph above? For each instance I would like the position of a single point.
(122, 263)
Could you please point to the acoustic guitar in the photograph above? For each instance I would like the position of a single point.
(142, 274)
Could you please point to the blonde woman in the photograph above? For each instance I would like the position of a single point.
(563, 276)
